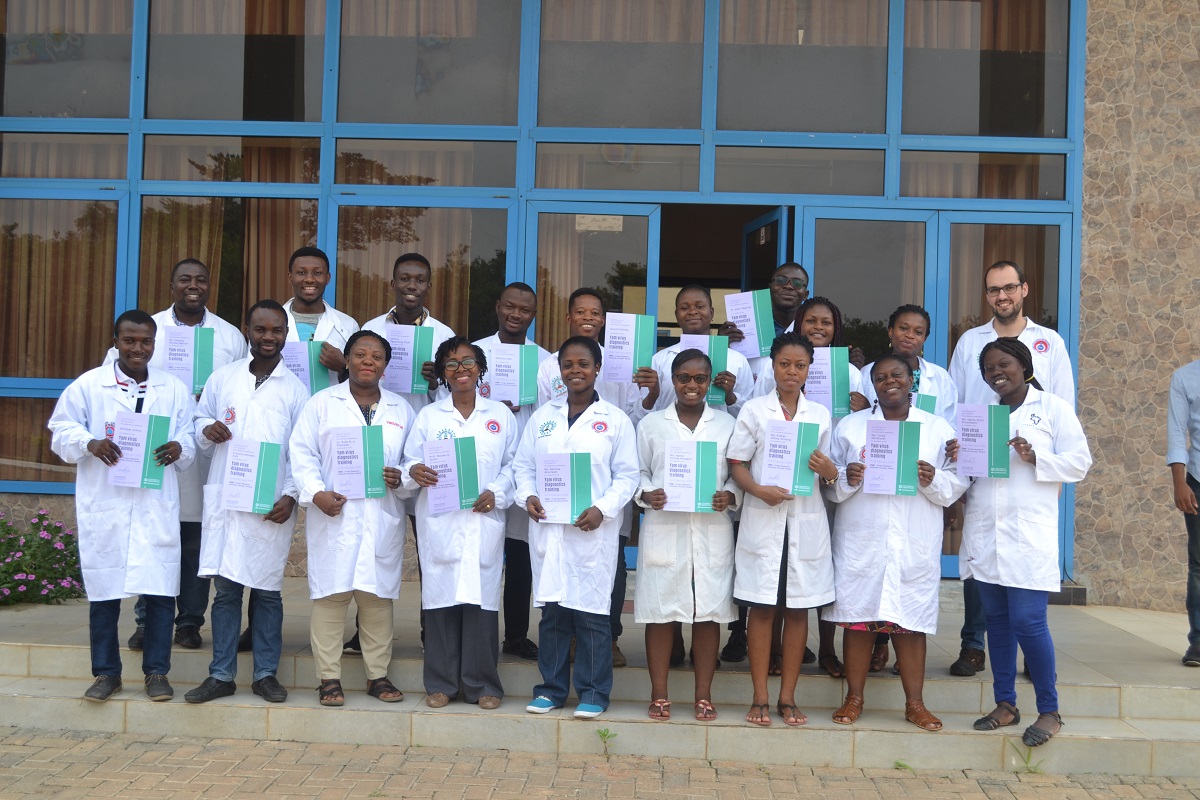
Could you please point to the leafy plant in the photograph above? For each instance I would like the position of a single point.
(1029, 767)
(902, 765)
(40, 561)
(606, 736)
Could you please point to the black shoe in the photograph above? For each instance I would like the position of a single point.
(269, 689)
(104, 687)
(1192, 657)
(809, 655)
(735, 649)
(158, 688)
(969, 662)
(352, 646)
(521, 648)
(245, 642)
(188, 636)
(138, 639)
(211, 689)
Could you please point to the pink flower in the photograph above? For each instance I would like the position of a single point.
(44, 535)
(59, 546)
(6, 591)
(20, 588)
(31, 577)
(58, 524)
(45, 591)
(20, 576)
(66, 583)
(34, 521)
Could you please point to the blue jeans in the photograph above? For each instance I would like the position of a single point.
(193, 590)
(1192, 603)
(974, 620)
(1018, 616)
(266, 630)
(103, 616)
(593, 655)
(616, 602)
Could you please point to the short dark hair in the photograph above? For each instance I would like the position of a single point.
(305, 251)
(1005, 263)
(187, 261)
(134, 316)
(518, 286)
(694, 287)
(792, 338)
(266, 305)
(407, 257)
(584, 291)
(891, 357)
(354, 337)
(795, 265)
(838, 338)
(591, 344)
(1015, 348)
(691, 354)
(443, 355)
(910, 308)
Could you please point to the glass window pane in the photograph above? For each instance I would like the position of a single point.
(62, 155)
(59, 256)
(985, 69)
(794, 170)
(644, 167)
(236, 59)
(231, 158)
(974, 247)
(25, 440)
(621, 63)
(426, 163)
(869, 267)
(466, 247)
(451, 62)
(66, 58)
(803, 65)
(244, 241)
(1000, 176)
(605, 252)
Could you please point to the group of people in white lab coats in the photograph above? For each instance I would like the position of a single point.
(871, 562)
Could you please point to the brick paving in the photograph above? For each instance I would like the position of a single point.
(75, 764)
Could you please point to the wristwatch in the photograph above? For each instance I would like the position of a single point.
(831, 481)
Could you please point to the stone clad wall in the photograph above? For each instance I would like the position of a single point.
(1140, 292)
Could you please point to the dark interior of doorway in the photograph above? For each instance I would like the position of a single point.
(703, 244)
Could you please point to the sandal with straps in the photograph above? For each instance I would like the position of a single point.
(660, 709)
(916, 713)
(382, 689)
(791, 715)
(760, 715)
(705, 712)
(879, 657)
(1035, 736)
(850, 710)
(329, 693)
(991, 722)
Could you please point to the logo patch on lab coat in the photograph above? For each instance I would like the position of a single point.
(546, 428)
(444, 433)
(557, 387)
(110, 430)
(230, 415)
(1041, 346)
(485, 390)
(493, 426)
(599, 426)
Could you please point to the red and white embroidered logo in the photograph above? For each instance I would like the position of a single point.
(110, 430)
(485, 390)
(230, 415)
(493, 426)
(1041, 346)
(599, 426)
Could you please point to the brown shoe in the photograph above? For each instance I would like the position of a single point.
(969, 662)
(618, 656)
(489, 702)
(437, 700)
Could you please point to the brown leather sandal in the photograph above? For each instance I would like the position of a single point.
(916, 713)
(879, 657)
(850, 710)
(329, 693)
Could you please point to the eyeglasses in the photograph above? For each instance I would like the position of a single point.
(466, 363)
(699, 380)
(1009, 289)
(783, 280)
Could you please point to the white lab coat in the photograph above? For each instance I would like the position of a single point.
(516, 519)
(1010, 527)
(765, 385)
(625, 396)
(334, 327)
(762, 364)
(572, 567)
(462, 553)
(128, 538)
(229, 345)
(362, 547)
(1051, 364)
(685, 561)
(240, 545)
(934, 380)
(743, 384)
(760, 538)
(441, 332)
(887, 549)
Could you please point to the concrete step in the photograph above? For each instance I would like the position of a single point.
(880, 739)
(731, 684)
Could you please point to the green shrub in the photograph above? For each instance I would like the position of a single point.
(40, 561)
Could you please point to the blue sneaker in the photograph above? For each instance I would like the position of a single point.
(541, 705)
(588, 711)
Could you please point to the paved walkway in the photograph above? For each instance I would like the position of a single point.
(67, 764)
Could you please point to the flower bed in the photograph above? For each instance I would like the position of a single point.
(40, 561)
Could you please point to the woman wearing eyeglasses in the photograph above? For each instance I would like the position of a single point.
(685, 558)
(462, 542)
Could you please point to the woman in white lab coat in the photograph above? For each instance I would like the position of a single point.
(1010, 534)
(887, 547)
(574, 564)
(355, 546)
(782, 556)
(685, 560)
(462, 550)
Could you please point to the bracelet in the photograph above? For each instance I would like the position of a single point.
(830, 481)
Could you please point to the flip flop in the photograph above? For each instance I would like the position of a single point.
(705, 711)
(791, 715)
(760, 715)
(776, 664)
(660, 709)
(832, 665)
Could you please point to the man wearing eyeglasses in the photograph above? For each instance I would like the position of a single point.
(1005, 289)
(789, 288)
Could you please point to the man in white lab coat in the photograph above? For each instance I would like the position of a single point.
(1005, 289)
(128, 537)
(311, 318)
